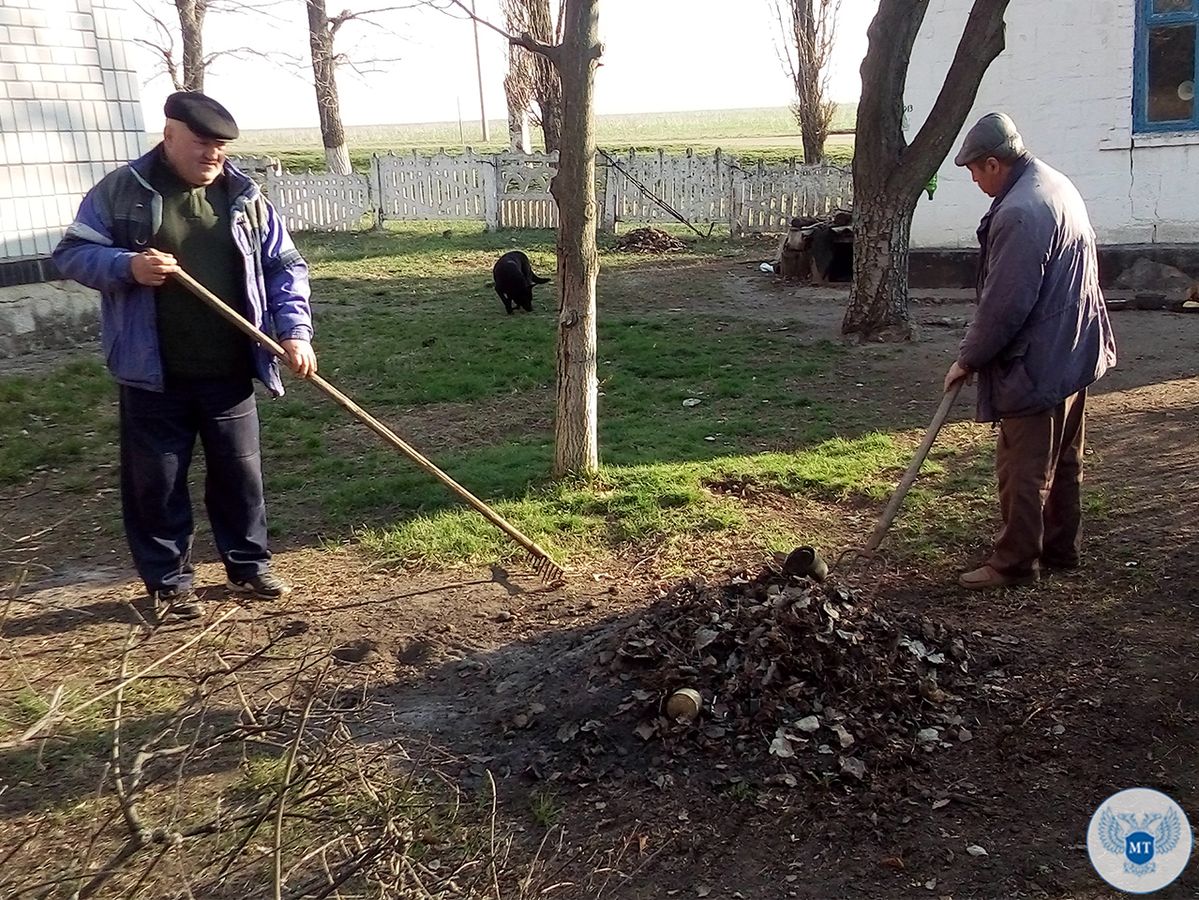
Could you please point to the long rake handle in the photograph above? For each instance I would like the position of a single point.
(239, 321)
(889, 514)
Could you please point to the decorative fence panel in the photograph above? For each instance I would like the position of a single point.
(769, 197)
(523, 185)
(696, 187)
(512, 190)
(320, 202)
(415, 188)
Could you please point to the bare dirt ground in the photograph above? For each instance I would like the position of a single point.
(495, 672)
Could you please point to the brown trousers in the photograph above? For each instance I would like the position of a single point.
(1039, 463)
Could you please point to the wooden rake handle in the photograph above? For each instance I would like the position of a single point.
(239, 321)
(889, 514)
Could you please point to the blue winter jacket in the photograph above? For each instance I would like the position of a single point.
(118, 219)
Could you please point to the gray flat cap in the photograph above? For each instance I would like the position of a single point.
(995, 135)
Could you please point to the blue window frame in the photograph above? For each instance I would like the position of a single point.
(1167, 66)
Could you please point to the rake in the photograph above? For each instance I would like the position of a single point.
(544, 564)
(807, 562)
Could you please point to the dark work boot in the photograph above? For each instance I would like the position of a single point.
(175, 604)
(265, 586)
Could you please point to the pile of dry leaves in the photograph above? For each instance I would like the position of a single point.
(649, 240)
(813, 675)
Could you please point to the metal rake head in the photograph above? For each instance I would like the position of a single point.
(547, 570)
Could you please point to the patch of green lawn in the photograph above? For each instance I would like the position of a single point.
(634, 504)
(63, 420)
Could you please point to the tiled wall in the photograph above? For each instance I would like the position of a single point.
(69, 114)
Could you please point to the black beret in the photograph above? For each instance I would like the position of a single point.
(201, 114)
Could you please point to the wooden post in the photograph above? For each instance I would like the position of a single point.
(479, 72)
(374, 190)
(713, 192)
(611, 186)
(492, 188)
(736, 227)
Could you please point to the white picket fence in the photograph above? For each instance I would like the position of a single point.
(512, 190)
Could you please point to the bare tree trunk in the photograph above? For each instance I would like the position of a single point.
(808, 93)
(518, 83)
(191, 31)
(888, 173)
(549, 101)
(813, 140)
(576, 443)
(187, 69)
(518, 122)
(547, 80)
(809, 30)
(324, 71)
(880, 245)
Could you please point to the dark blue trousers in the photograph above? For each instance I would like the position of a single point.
(158, 433)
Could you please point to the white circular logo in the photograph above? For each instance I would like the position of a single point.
(1139, 840)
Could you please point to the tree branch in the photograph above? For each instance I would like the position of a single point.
(981, 42)
(549, 51)
(286, 785)
(892, 34)
(236, 53)
(358, 14)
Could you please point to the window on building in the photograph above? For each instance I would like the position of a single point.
(1167, 65)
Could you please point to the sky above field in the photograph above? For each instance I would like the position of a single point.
(660, 55)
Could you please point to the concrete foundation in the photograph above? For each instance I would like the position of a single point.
(48, 316)
(932, 268)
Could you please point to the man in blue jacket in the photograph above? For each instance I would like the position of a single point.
(183, 371)
(1039, 338)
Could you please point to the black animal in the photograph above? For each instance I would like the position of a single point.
(514, 280)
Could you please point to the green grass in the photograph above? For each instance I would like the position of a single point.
(55, 422)
(769, 134)
(545, 807)
(413, 325)
(629, 505)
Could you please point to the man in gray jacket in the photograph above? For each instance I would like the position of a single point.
(1039, 338)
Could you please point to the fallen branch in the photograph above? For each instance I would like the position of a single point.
(286, 784)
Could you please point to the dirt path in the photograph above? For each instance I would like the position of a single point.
(489, 667)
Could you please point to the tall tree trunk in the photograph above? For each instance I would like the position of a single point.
(881, 241)
(549, 102)
(576, 442)
(888, 173)
(813, 137)
(191, 32)
(809, 92)
(808, 29)
(547, 80)
(324, 71)
(518, 124)
(518, 84)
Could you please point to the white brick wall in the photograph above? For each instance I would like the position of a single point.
(1066, 78)
(69, 113)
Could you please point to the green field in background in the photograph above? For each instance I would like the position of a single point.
(769, 134)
